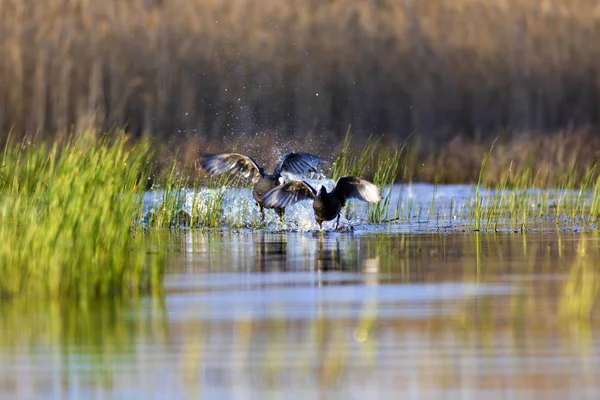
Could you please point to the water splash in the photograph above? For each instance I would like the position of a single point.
(412, 208)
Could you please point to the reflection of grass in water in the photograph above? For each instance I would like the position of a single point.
(96, 332)
(66, 215)
(578, 299)
(582, 287)
(327, 351)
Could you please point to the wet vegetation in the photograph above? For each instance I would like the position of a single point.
(68, 216)
(518, 198)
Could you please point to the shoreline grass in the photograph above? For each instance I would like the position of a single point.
(66, 218)
(185, 201)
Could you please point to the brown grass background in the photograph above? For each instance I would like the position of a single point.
(214, 72)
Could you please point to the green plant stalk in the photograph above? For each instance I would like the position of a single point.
(66, 219)
(478, 208)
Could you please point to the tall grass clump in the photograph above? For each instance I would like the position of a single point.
(349, 162)
(208, 203)
(386, 164)
(170, 209)
(388, 168)
(66, 217)
(184, 202)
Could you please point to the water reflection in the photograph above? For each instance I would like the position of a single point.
(284, 252)
(56, 350)
(247, 315)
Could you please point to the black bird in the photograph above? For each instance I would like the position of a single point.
(327, 206)
(296, 163)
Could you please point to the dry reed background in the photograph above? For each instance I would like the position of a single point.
(206, 70)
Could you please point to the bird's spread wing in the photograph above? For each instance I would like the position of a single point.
(299, 163)
(231, 163)
(357, 188)
(288, 194)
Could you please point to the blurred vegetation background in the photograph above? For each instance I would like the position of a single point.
(203, 74)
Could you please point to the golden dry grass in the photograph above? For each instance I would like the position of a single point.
(215, 68)
(560, 159)
(207, 71)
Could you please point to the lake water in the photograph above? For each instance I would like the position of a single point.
(368, 313)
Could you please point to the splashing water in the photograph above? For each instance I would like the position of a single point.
(412, 208)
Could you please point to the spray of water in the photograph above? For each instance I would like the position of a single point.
(415, 207)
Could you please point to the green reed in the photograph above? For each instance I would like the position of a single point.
(388, 168)
(348, 162)
(478, 205)
(187, 203)
(341, 163)
(66, 217)
(170, 209)
(526, 200)
(595, 202)
(580, 210)
(209, 207)
(512, 202)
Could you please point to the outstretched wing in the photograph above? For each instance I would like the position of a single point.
(353, 187)
(288, 194)
(299, 163)
(231, 163)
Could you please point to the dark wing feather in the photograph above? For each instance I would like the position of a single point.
(353, 187)
(232, 163)
(299, 163)
(288, 194)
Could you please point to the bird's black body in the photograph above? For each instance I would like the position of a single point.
(262, 186)
(296, 163)
(326, 205)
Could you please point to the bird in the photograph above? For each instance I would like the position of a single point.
(326, 205)
(234, 163)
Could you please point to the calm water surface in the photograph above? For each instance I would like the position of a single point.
(327, 315)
